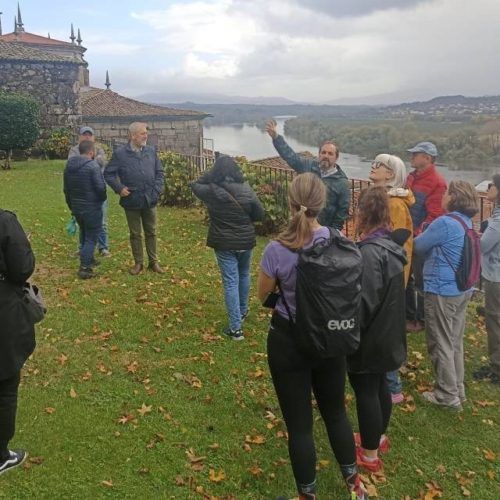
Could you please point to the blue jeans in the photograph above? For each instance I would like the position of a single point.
(235, 270)
(90, 226)
(394, 382)
(102, 239)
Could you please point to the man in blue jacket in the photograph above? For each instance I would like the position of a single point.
(85, 192)
(335, 180)
(136, 174)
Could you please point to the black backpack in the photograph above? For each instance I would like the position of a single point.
(328, 297)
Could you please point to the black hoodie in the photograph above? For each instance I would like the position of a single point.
(84, 185)
(382, 316)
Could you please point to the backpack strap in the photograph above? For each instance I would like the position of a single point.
(459, 219)
(464, 227)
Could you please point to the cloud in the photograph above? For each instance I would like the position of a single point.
(318, 50)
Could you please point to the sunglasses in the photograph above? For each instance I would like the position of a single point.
(490, 185)
(377, 164)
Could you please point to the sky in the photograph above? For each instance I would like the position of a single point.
(305, 50)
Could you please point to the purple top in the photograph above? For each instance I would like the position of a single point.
(280, 263)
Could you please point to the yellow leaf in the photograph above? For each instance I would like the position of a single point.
(216, 477)
(72, 393)
(489, 455)
(108, 483)
(144, 409)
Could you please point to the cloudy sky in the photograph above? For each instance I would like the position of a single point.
(305, 50)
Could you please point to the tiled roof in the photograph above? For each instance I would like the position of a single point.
(12, 51)
(278, 162)
(23, 36)
(106, 103)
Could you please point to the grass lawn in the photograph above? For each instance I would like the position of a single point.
(133, 393)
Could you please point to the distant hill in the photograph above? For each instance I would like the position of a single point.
(162, 98)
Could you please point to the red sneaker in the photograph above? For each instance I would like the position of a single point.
(384, 446)
(370, 465)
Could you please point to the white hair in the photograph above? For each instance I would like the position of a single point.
(398, 168)
(134, 127)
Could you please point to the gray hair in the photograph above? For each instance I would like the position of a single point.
(134, 127)
(397, 166)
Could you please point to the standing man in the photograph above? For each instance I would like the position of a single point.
(428, 187)
(87, 134)
(85, 192)
(338, 195)
(136, 174)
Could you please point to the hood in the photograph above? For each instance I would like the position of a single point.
(77, 162)
(388, 244)
(404, 194)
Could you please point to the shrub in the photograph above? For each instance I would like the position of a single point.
(177, 178)
(20, 123)
(58, 143)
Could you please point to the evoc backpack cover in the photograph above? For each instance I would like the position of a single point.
(328, 297)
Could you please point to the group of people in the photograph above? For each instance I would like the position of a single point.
(410, 233)
(134, 173)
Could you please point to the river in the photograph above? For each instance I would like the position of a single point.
(248, 140)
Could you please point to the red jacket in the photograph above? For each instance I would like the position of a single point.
(428, 186)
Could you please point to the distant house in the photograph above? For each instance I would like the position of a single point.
(56, 74)
(278, 162)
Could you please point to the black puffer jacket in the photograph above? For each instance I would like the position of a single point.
(17, 262)
(231, 221)
(382, 316)
(84, 185)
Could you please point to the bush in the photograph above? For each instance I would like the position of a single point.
(58, 144)
(177, 178)
(20, 123)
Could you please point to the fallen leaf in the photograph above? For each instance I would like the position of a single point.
(144, 409)
(108, 483)
(49, 410)
(258, 439)
(489, 455)
(216, 477)
(72, 393)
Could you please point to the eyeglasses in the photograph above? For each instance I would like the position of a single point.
(377, 164)
(490, 185)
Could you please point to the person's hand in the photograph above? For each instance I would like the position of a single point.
(271, 129)
(124, 192)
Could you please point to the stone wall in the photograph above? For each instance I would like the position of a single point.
(182, 136)
(54, 85)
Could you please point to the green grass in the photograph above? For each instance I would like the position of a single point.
(111, 345)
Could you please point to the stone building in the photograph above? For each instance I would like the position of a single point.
(56, 74)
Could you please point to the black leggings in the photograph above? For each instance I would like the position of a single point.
(373, 405)
(293, 377)
(8, 407)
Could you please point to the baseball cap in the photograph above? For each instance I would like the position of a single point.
(424, 147)
(86, 130)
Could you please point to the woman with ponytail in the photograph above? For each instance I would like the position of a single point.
(294, 374)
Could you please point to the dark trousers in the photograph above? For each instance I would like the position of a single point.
(373, 406)
(414, 291)
(90, 224)
(138, 219)
(8, 407)
(294, 376)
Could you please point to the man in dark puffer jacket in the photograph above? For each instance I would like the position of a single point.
(85, 192)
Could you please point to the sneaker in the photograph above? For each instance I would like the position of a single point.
(383, 447)
(234, 334)
(370, 465)
(104, 252)
(95, 263)
(482, 372)
(430, 397)
(244, 316)
(17, 457)
(397, 398)
(85, 273)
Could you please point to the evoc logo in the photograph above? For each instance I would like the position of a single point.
(345, 324)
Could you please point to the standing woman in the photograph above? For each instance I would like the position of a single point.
(17, 334)
(490, 249)
(389, 171)
(441, 246)
(232, 207)
(294, 374)
(382, 320)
